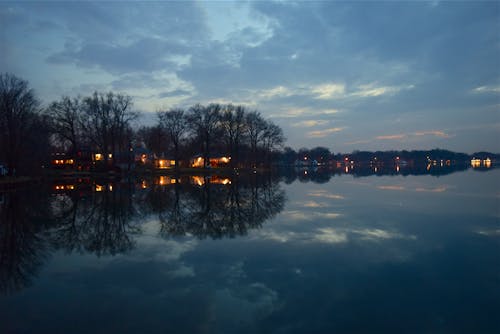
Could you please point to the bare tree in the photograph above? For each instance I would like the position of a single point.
(234, 127)
(66, 120)
(272, 138)
(18, 106)
(107, 122)
(256, 126)
(174, 123)
(153, 138)
(205, 121)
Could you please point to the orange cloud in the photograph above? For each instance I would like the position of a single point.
(391, 137)
(323, 133)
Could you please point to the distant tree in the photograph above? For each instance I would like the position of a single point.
(288, 155)
(320, 154)
(175, 125)
(303, 153)
(205, 122)
(18, 110)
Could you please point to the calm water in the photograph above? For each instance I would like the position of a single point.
(343, 254)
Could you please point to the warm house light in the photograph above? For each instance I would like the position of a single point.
(98, 187)
(164, 163)
(143, 158)
(163, 180)
(475, 163)
(70, 162)
(98, 157)
(198, 162)
(144, 185)
(487, 163)
(198, 180)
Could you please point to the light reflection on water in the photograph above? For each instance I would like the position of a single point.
(216, 255)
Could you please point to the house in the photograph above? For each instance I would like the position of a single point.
(142, 155)
(163, 163)
(199, 162)
(62, 161)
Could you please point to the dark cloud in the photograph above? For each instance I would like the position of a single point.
(147, 55)
(442, 51)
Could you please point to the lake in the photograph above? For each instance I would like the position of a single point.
(306, 252)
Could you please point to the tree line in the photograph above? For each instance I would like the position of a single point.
(106, 123)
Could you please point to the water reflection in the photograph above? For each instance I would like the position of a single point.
(103, 218)
(324, 174)
(24, 245)
(214, 206)
(99, 222)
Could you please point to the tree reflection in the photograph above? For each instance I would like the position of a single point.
(98, 222)
(215, 207)
(23, 243)
(101, 218)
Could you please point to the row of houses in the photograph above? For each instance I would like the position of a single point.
(86, 160)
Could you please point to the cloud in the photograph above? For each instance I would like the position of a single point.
(324, 132)
(432, 190)
(312, 204)
(279, 91)
(330, 235)
(294, 112)
(391, 137)
(399, 188)
(436, 133)
(372, 90)
(490, 233)
(324, 194)
(174, 93)
(486, 89)
(378, 234)
(426, 133)
(328, 91)
(309, 123)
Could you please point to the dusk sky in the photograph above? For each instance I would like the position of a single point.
(361, 75)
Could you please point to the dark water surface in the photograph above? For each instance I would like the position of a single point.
(343, 254)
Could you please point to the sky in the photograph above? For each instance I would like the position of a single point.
(345, 75)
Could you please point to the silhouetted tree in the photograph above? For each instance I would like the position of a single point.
(107, 120)
(174, 124)
(256, 126)
(18, 110)
(153, 138)
(66, 118)
(234, 129)
(205, 122)
(272, 138)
